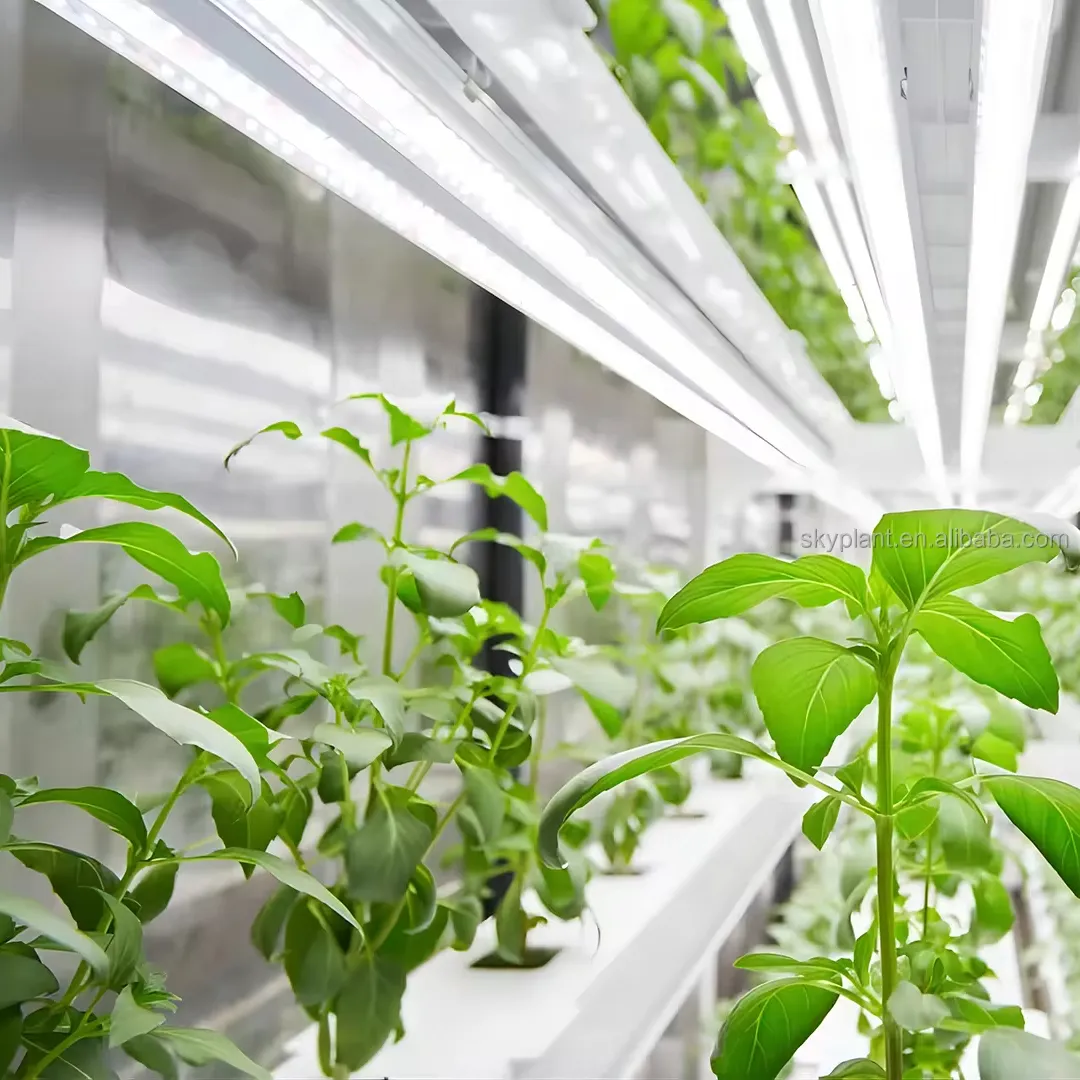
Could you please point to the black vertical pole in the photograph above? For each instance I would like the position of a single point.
(498, 344)
(786, 537)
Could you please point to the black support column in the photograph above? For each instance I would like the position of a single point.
(498, 344)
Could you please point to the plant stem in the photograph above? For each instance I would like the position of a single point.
(538, 744)
(401, 498)
(928, 867)
(894, 1047)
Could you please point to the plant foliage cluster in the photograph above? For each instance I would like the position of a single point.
(684, 73)
(317, 763)
(920, 888)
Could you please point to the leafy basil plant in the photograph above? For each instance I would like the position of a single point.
(810, 691)
(382, 732)
(57, 1018)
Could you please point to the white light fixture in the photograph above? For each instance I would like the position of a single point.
(166, 52)
(1015, 39)
(854, 47)
(1049, 299)
(336, 62)
(851, 286)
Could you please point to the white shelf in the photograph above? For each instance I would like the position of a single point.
(602, 1004)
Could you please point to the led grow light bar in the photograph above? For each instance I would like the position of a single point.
(1058, 261)
(853, 44)
(165, 51)
(333, 57)
(1014, 47)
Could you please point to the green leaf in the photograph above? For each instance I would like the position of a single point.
(1007, 1054)
(996, 750)
(627, 765)
(84, 1060)
(355, 531)
(975, 1015)
(314, 960)
(196, 576)
(512, 923)
(129, 1019)
(857, 1069)
(445, 588)
(287, 428)
(40, 466)
(1047, 812)
(10, 1036)
(344, 437)
(368, 1009)
(514, 487)
(77, 879)
(820, 967)
(152, 1054)
(34, 915)
(600, 683)
(819, 820)
(269, 922)
(487, 801)
(810, 691)
(7, 816)
(915, 1011)
(767, 1026)
(256, 737)
(117, 487)
(109, 807)
(1008, 656)
(287, 874)
(385, 695)
(466, 914)
(994, 915)
(415, 746)
(935, 552)
(154, 890)
(744, 581)
(23, 978)
(125, 951)
(180, 665)
(598, 575)
(239, 822)
(81, 626)
(382, 854)
(185, 726)
(361, 746)
(201, 1046)
(291, 608)
(964, 835)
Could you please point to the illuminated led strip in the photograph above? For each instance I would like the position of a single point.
(853, 45)
(129, 27)
(1014, 46)
(334, 61)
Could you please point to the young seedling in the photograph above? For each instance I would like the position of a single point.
(810, 691)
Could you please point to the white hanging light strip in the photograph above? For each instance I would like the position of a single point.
(163, 49)
(854, 46)
(334, 60)
(767, 91)
(1015, 39)
(1048, 301)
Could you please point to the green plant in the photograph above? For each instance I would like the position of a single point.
(810, 692)
(113, 997)
(686, 77)
(385, 844)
